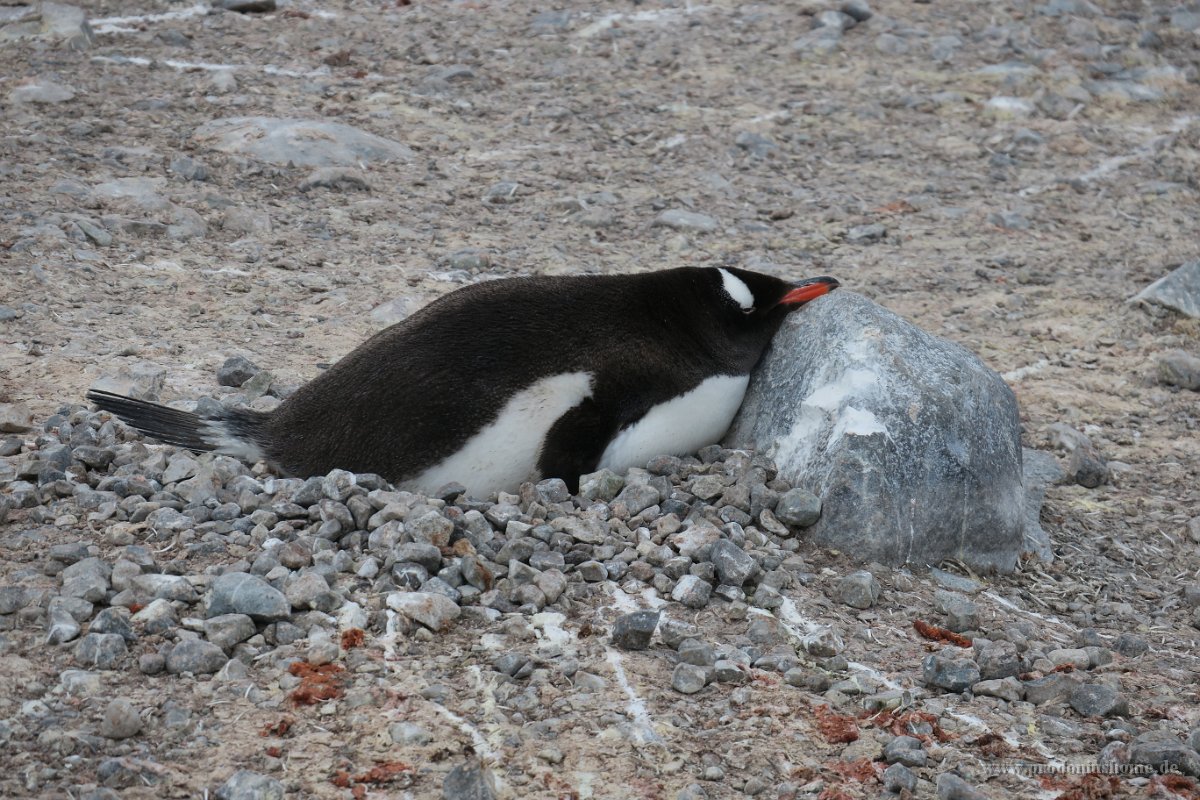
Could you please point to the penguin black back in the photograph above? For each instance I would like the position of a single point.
(507, 380)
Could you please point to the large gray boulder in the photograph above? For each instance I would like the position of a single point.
(911, 443)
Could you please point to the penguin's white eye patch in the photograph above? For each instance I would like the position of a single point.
(737, 289)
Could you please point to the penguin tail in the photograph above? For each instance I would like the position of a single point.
(234, 432)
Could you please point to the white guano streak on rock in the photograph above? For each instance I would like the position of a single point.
(1014, 607)
(480, 742)
(1057, 629)
(792, 620)
(110, 25)
(976, 722)
(1023, 372)
(791, 617)
(106, 25)
(203, 66)
(819, 406)
(1010, 739)
(636, 706)
(547, 626)
(653, 15)
(626, 604)
(622, 602)
(874, 674)
(856, 422)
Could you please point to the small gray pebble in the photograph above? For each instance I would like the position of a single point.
(798, 508)
(683, 220)
(409, 733)
(247, 785)
(120, 720)
(469, 782)
(196, 656)
(247, 7)
(1098, 700)
(673, 632)
(592, 571)
(858, 589)
(633, 631)
(952, 787)
(151, 663)
(692, 591)
(1131, 645)
(1053, 688)
(1181, 369)
(951, 674)
(688, 678)
(697, 652)
(236, 370)
(734, 566)
(859, 10)
(727, 671)
(1087, 467)
(100, 650)
(997, 660)
(867, 234)
(898, 778)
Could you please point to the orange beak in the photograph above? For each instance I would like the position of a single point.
(808, 290)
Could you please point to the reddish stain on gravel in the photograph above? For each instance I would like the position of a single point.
(317, 683)
(938, 634)
(836, 728)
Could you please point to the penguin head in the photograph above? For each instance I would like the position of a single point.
(754, 298)
(744, 309)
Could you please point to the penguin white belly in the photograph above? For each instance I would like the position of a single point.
(681, 425)
(505, 452)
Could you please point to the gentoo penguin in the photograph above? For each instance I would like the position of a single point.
(516, 379)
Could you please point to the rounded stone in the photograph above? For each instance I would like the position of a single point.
(798, 508)
(858, 589)
(121, 720)
(688, 678)
(434, 611)
(100, 650)
(469, 782)
(242, 593)
(951, 674)
(247, 785)
(1098, 700)
(898, 777)
(195, 656)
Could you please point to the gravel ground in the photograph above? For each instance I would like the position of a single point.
(1005, 175)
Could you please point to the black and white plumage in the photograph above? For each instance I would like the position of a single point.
(517, 379)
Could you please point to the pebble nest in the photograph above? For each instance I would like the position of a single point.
(204, 568)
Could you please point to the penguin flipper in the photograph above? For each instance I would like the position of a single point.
(575, 443)
(236, 432)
